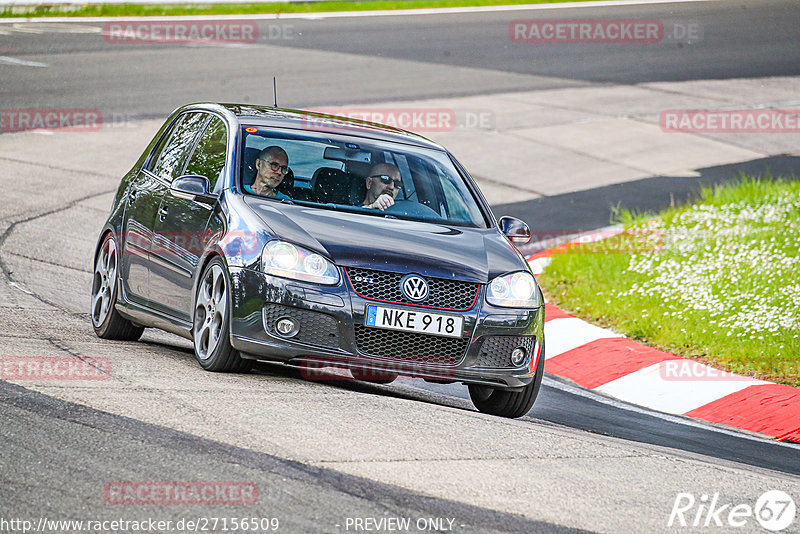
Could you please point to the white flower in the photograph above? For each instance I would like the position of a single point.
(717, 260)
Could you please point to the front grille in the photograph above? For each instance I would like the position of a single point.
(495, 351)
(410, 346)
(315, 328)
(385, 286)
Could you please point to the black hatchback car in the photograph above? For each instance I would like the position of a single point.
(312, 240)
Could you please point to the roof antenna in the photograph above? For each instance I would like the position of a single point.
(275, 91)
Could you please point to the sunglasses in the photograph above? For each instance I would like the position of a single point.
(386, 180)
(274, 165)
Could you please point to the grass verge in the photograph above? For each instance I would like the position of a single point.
(717, 281)
(138, 10)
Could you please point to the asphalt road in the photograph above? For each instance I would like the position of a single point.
(88, 445)
(356, 60)
(326, 452)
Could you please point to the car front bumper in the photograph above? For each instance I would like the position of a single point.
(332, 332)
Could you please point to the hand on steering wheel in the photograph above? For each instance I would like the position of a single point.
(382, 202)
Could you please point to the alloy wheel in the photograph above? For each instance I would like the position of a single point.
(105, 276)
(209, 312)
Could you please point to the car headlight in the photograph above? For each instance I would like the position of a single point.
(515, 290)
(280, 258)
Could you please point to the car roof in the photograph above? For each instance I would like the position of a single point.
(323, 123)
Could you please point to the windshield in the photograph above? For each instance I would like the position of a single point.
(354, 174)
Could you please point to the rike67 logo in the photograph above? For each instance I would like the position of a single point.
(775, 511)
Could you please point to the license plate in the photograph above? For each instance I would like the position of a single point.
(414, 321)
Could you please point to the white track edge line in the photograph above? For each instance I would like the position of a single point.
(549, 381)
(343, 14)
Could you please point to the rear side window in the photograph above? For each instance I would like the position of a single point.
(208, 158)
(174, 153)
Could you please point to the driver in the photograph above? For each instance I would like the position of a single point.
(272, 166)
(383, 184)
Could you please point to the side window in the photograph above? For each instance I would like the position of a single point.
(162, 143)
(208, 158)
(455, 204)
(173, 156)
(459, 203)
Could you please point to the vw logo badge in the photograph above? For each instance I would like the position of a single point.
(414, 288)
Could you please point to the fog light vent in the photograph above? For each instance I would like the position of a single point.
(287, 327)
(312, 328)
(518, 356)
(505, 352)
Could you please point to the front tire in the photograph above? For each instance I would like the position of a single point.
(106, 320)
(211, 322)
(505, 403)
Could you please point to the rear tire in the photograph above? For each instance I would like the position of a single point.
(211, 322)
(106, 320)
(505, 403)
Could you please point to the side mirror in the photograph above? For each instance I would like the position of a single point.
(515, 230)
(192, 187)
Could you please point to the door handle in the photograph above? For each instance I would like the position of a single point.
(162, 214)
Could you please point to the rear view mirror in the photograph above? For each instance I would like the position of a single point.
(515, 230)
(347, 154)
(192, 187)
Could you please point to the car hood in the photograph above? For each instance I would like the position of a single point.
(370, 242)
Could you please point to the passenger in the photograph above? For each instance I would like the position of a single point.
(272, 165)
(383, 184)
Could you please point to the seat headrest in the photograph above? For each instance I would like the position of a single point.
(249, 167)
(287, 184)
(331, 186)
